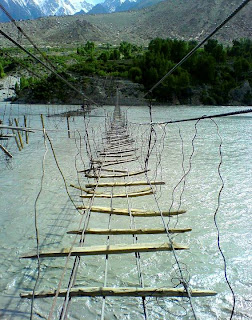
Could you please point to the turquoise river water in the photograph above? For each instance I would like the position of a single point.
(20, 183)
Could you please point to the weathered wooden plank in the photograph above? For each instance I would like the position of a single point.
(130, 174)
(117, 152)
(114, 170)
(98, 231)
(119, 162)
(103, 169)
(124, 184)
(134, 212)
(119, 145)
(6, 151)
(115, 161)
(106, 163)
(99, 192)
(122, 195)
(114, 155)
(116, 137)
(121, 292)
(107, 249)
(15, 128)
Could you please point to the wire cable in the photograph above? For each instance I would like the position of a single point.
(36, 224)
(216, 224)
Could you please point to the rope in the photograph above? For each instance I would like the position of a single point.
(36, 224)
(216, 224)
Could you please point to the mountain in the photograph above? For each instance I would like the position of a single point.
(20, 9)
(31, 9)
(109, 6)
(63, 7)
(99, 8)
(182, 19)
(119, 5)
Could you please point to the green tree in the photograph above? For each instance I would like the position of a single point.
(241, 66)
(115, 55)
(104, 56)
(215, 49)
(2, 74)
(89, 47)
(204, 69)
(135, 74)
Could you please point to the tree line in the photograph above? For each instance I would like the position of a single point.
(213, 71)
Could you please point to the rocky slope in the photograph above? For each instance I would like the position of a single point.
(184, 19)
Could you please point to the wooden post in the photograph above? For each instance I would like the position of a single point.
(68, 127)
(26, 132)
(42, 121)
(19, 135)
(10, 124)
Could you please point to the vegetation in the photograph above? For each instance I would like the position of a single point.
(214, 69)
(212, 72)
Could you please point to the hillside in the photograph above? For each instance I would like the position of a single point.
(183, 19)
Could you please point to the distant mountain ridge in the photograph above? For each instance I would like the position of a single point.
(32, 9)
(182, 19)
(20, 10)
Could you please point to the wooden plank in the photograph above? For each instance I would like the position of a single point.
(116, 137)
(115, 161)
(119, 162)
(117, 152)
(107, 249)
(90, 191)
(98, 231)
(107, 163)
(109, 195)
(124, 184)
(104, 169)
(119, 145)
(130, 174)
(6, 151)
(7, 135)
(122, 195)
(121, 292)
(134, 212)
(15, 128)
(114, 170)
(117, 155)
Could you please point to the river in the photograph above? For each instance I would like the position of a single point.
(20, 183)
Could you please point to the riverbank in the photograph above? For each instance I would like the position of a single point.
(103, 92)
(7, 88)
